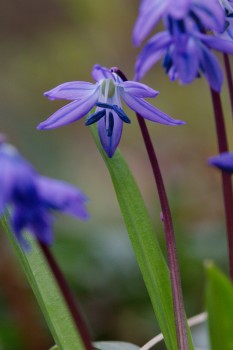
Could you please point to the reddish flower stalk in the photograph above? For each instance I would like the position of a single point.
(229, 78)
(65, 290)
(179, 312)
(226, 178)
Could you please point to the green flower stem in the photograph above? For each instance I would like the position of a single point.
(140, 229)
(46, 289)
(226, 178)
(65, 290)
(180, 318)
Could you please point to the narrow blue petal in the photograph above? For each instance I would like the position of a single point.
(110, 144)
(70, 113)
(137, 89)
(99, 73)
(178, 9)
(151, 53)
(74, 90)
(186, 61)
(147, 111)
(217, 43)
(59, 195)
(150, 14)
(210, 14)
(211, 69)
(224, 161)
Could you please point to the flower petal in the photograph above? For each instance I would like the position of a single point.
(217, 43)
(110, 143)
(59, 195)
(150, 14)
(186, 61)
(210, 14)
(211, 68)
(99, 73)
(224, 161)
(147, 111)
(70, 113)
(178, 9)
(137, 89)
(151, 53)
(74, 90)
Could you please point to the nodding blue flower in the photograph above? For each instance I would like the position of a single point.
(223, 161)
(207, 13)
(32, 198)
(104, 96)
(187, 54)
(227, 5)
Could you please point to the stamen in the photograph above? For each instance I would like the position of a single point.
(104, 105)
(110, 124)
(121, 114)
(95, 117)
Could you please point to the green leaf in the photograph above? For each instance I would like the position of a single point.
(114, 345)
(219, 299)
(141, 232)
(47, 292)
(54, 348)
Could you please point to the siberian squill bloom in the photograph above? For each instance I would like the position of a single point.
(187, 54)
(223, 161)
(105, 96)
(33, 198)
(227, 5)
(208, 13)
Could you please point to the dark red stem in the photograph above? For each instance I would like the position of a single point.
(229, 78)
(65, 290)
(180, 319)
(226, 178)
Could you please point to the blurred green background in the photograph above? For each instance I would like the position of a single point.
(43, 44)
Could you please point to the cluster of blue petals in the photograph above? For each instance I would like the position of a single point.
(185, 45)
(105, 97)
(223, 161)
(32, 198)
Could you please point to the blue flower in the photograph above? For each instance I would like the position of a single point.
(105, 96)
(208, 13)
(224, 161)
(227, 5)
(32, 197)
(186, 53)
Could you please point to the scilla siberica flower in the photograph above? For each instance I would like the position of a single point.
(223, 161)
(185, 46)
(105, 96)
(207, 12)
(186, 54)
(32, 197)
(227, 6)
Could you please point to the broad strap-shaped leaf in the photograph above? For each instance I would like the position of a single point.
(47, 293)
(141, 232)
(219, 300)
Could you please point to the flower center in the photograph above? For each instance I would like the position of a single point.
(108, 88)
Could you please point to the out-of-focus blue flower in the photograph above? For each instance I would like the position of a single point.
(207, 13)
(105, 95)
(227, 5)
(32, 197)
(187, 54)
(224, 161)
